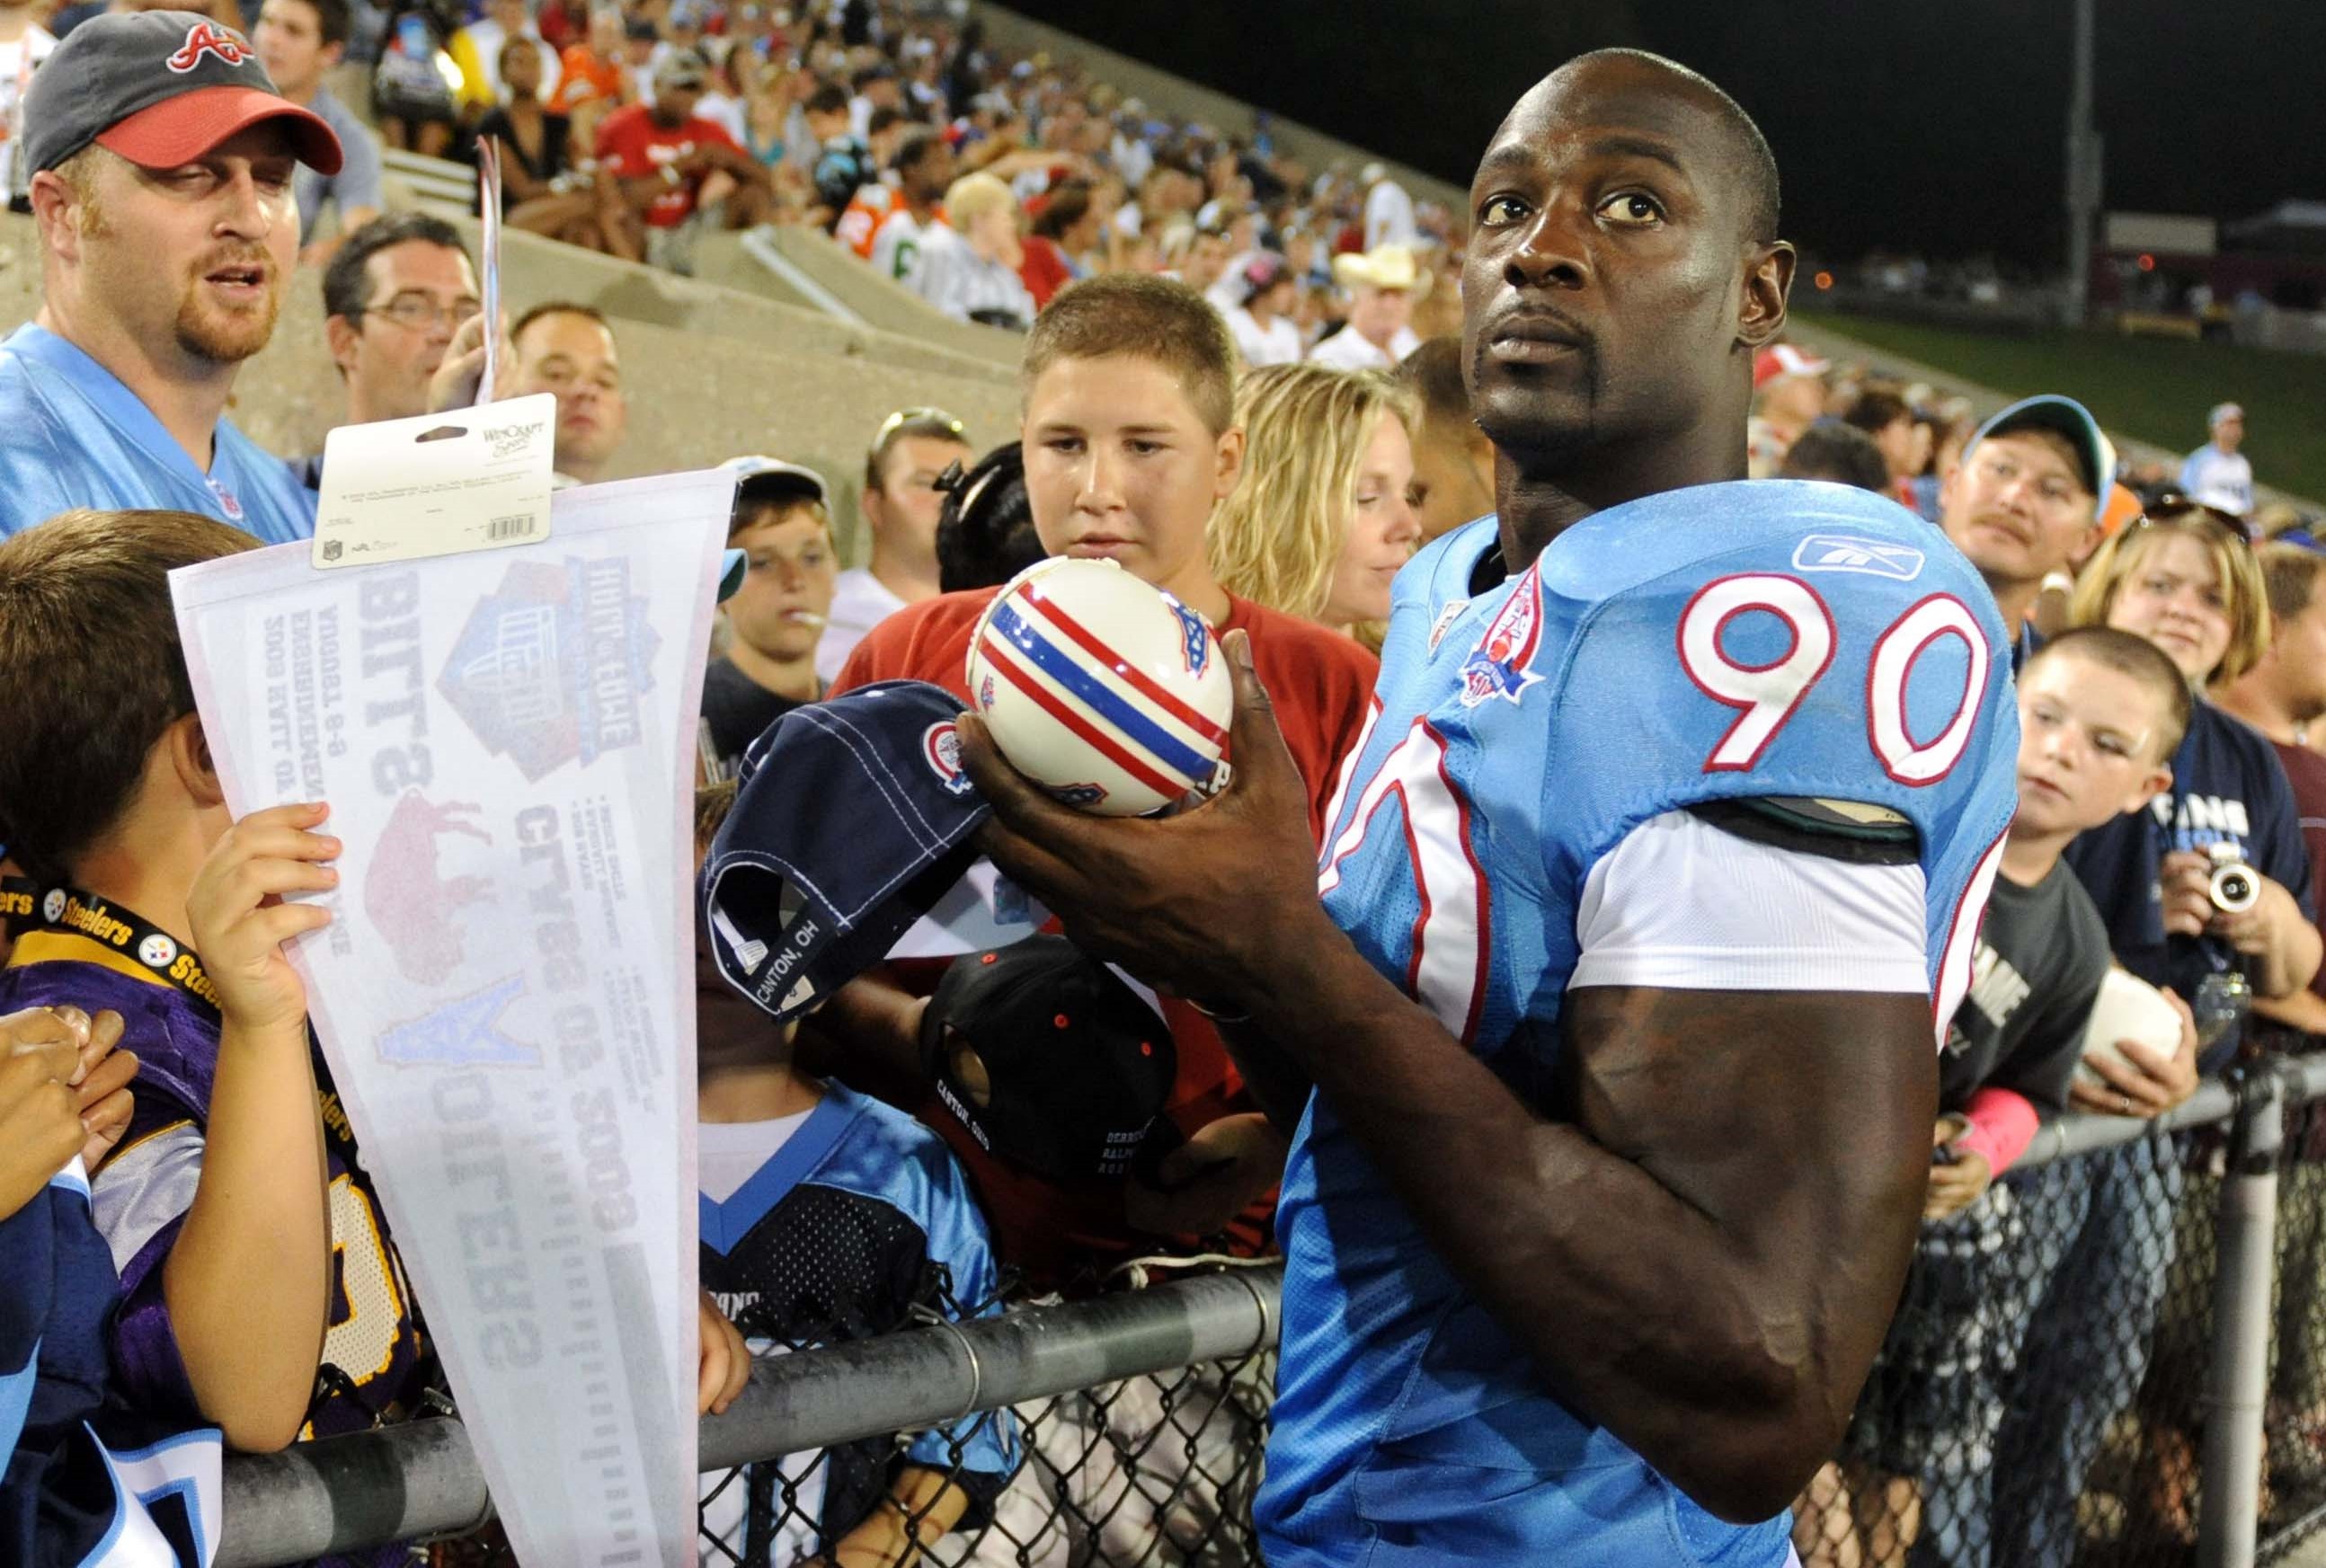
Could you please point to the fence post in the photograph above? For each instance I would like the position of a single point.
(2236, 1378)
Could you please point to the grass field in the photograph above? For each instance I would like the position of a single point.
(2155, 389)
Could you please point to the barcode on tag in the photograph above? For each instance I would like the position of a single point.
(514, 526)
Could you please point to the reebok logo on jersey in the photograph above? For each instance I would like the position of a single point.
(1872, 557)
(1445, 619)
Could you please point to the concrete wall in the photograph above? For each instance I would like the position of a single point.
(711, 373)
(1176, 95)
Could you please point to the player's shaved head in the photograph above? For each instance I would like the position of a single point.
(1623, 268)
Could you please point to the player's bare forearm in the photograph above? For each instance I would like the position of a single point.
(1276, 1082)
(1703, 1259)
(248, 1279)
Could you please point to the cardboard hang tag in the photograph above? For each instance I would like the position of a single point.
(437, 484)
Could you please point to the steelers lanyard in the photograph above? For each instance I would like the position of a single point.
(74, 911)
(30, 905)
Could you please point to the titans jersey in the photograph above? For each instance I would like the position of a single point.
(859, 1224)
(87, 1483)
(1777, 640)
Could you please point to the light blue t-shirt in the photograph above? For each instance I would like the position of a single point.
(1772, 639)
(72, 435)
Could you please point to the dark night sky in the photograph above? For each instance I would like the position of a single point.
(1936, 127)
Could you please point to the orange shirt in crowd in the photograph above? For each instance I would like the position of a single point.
(1321, 684)
(585, 76)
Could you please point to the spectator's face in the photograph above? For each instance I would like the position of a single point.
(928, 180)
(606, 35)
(1448, 488)
(2229, 435)
(195, 259)
(905, 508)
(786, 592)
(1120, 467)
(511, 15)
(1377, 315)
(290, 40)
(573, 357)
(1207, 258)
(1898, 442)
(521, 68)
(419, 294)
(1796, 401)
(994, 236)
(675, 103)
(2017, 508)
(2088, 736)
(2175, 596)
(1382, 529)
(2297, 645)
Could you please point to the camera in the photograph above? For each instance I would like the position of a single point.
(2236, 887)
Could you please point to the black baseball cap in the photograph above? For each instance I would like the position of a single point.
(1076, 1068)
(161, 89)
(852, 817)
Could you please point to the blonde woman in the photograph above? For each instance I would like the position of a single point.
(1323, 517)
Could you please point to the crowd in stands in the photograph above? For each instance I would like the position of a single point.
(1242, 383)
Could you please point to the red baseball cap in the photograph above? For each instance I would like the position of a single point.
(160, 88)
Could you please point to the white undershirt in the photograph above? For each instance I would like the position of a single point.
(1680, 904)
(729, 1153)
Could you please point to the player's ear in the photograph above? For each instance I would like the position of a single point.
(1768, 283)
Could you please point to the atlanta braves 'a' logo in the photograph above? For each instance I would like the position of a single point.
(208, 38)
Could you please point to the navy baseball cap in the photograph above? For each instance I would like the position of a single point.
(852, 818)
(160, 88)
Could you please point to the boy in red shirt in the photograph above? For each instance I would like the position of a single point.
(1130, 443)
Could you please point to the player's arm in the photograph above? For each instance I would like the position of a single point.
(1703, 1261)
(248, 1278)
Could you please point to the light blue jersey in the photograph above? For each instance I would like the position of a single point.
(1770, 640)
(72, 435)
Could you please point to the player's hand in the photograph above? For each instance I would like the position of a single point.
(39, 1114)
(2148, 1082)
(102, 1094)
(2186, 880)
(240, 922)
(1205, 903)
(457, 380)
(1956, 1186)
(1210, 1179)
(724, 1363)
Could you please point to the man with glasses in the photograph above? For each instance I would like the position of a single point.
(2024, 502)
(162, 164)
(393, 296)
(912, 447)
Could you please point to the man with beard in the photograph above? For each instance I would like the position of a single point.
(162, 162)
(1617, 1008)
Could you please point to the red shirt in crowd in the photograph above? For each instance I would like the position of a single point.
(1321, 684)
(1044, 271)
(632, 146)
(2305, 770)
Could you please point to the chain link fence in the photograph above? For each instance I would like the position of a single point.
(2115, 1357)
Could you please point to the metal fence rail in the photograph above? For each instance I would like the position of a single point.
(2212, 1418)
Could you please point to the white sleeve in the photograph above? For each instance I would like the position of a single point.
(1683, 906)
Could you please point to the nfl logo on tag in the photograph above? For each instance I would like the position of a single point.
(1102, 688)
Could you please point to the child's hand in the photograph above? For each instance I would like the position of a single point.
(102, 1093)
(726, 1361)
(240, 922)
(39, 1113)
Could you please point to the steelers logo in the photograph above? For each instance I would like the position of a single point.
(52, 907)
(157, 952)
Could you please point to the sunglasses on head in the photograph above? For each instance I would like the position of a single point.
(2172, 506)
(905, 416)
